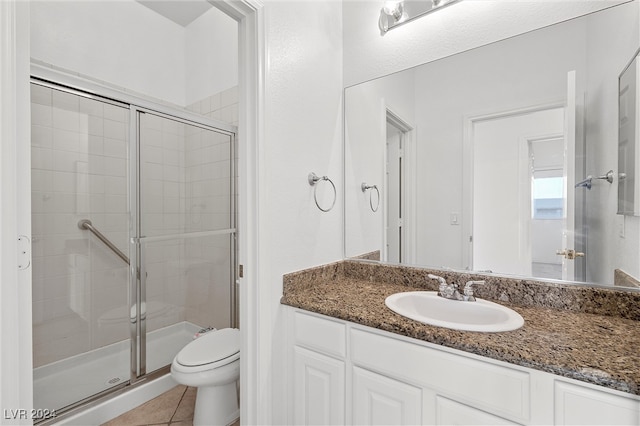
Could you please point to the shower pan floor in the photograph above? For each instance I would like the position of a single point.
(62, 383)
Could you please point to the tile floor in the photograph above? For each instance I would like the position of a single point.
(174, 407)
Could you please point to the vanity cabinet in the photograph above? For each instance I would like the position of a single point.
(319, 375)
(345, 373)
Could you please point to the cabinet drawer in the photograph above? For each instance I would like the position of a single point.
(578, 405)
(499, 390)
(320, 334)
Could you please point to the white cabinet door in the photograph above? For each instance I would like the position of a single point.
(450, 412)
(577, 405)
(318, 385)
(379, 400)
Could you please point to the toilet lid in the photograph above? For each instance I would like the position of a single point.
(212, 347)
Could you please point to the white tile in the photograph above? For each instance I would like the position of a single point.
(152, 154)
(66, 140)
(97, 184)
(172, 127)
(171, 205)
(205, 105)
(115, 185)
(41, 115)
(171, 157)
(41, 158)
(66, 101)
(115, 166)
(152, 204)
(172, 141)
(40, 94)
(97, 203)
(64, 182)
(215, 102)
(116, 221)
(226, 114)
(41, 180)
(115, 130)
(115, 148)
(42, 136)
(229, 96)
(152, 187)
(67, 161)
(171, 173)
(66, 120)
(95, 125)
(152, 171)
(116, 204)
(95, 145)
(171, 189)
(151, 137)
(90, 107)
(97, 164)
(115, 113)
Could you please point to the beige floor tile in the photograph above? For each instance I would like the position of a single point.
(186, 406)
(159, 410)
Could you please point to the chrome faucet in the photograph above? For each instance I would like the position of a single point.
(468, 290)
(450, 291)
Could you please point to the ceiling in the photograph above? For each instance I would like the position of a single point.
(182, 12)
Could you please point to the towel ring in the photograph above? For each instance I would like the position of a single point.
(313, 179)
(364, 187)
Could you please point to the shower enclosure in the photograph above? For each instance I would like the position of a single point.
(133, 218)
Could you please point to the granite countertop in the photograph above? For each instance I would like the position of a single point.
(591, 347)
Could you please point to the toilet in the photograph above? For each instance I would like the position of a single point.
(212, 364)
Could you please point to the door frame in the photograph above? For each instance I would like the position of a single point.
(409, 184)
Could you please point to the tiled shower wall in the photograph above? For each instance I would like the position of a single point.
(80, 170)
(208, 187)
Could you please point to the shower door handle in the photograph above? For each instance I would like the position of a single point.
(569, 254)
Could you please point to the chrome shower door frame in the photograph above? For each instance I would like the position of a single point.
(137, 272)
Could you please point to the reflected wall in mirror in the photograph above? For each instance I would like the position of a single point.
(482, 174)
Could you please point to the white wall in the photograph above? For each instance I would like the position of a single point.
(607, 249)
(126, 44)
(452, 90)
(207, 74)
(303, 133)
(365, 145)
(123, 43)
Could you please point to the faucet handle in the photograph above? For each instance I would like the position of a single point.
(441, 280)
(468, 290)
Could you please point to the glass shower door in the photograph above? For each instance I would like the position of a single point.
(81, 317)
(186, 234)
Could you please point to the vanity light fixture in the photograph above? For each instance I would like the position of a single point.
(397, 12)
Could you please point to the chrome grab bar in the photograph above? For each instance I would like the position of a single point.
(86, 224)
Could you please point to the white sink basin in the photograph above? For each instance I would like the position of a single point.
(429, 308)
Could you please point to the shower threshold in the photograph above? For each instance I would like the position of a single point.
(65, 382)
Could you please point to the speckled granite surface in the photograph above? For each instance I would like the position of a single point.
(577, 332)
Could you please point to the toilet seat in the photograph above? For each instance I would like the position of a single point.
(212, 350)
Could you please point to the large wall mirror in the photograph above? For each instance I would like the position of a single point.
(502, 159)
